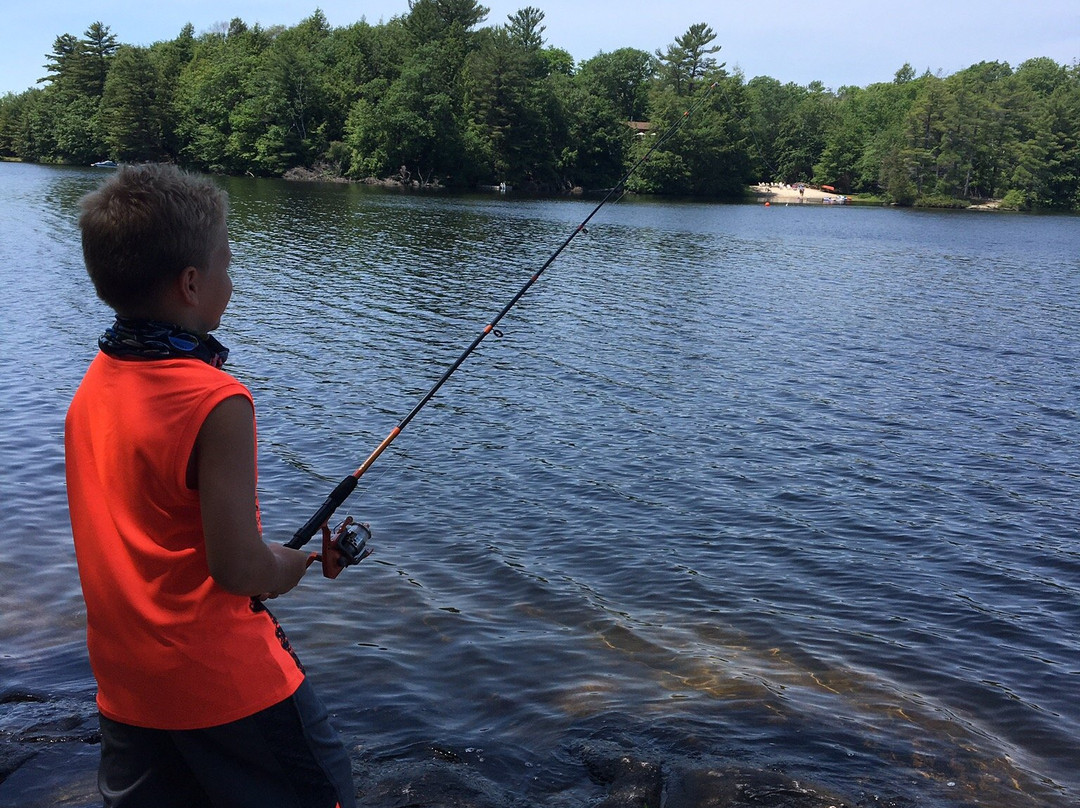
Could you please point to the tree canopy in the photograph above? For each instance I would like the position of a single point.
(440, 94)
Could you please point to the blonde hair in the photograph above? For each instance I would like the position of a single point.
(143, 226)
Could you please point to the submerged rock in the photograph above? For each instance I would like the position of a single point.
(620, 778)
(633, 782)
(630, 781)
(397, 784)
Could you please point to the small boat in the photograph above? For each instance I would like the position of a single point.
(104, 164)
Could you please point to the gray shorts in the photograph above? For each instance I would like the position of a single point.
(286, 756)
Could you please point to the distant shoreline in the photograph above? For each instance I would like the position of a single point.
(768, 192)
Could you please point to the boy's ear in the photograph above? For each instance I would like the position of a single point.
(187, 284)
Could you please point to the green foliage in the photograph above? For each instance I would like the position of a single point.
(18, 118)
(622, 78)
(95, 55)
(940, 201)
(11, 114)
(708, 154)
(1015, 200)
(804, 135)
(129, 112)
(776, 113)
(434, 20)
(79, 67)
(598, 141)
(525, 29)
(689, 60)
(895, 178)
(987, 130)
(665, 172)
(435, 95)
(515, 109)
(408, 122)
(215, 101)
(287, 119)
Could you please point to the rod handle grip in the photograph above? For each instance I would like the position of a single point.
(326, 510)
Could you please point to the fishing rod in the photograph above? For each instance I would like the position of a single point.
(347, 543)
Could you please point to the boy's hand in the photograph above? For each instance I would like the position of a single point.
(291, 564)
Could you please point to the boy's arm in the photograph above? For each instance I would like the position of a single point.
(239, 560)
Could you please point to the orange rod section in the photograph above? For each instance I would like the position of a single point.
(378, 451)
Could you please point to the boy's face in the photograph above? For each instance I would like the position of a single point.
(216, 283)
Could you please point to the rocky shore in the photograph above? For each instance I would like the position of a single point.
(48, 758)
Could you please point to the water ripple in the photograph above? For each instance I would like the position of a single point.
(793, 487)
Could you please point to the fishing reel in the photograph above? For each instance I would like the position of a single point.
(343, 546)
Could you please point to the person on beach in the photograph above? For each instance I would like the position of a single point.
(202, 700)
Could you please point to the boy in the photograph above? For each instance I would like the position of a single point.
(202, 701)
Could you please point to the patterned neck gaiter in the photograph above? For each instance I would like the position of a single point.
(149, 339)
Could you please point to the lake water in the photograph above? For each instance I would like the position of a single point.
(788, 489)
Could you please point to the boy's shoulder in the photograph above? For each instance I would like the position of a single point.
(165, 368)
(167, 383)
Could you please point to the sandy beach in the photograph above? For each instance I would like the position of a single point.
(780, 193)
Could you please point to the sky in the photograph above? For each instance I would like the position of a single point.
(836, 42)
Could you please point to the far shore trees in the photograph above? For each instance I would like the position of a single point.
(441, 95)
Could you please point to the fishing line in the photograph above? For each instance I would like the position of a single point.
(318, 520)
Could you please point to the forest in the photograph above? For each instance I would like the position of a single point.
(437, 97)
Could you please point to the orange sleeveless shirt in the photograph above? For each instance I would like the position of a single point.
(170, 649)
